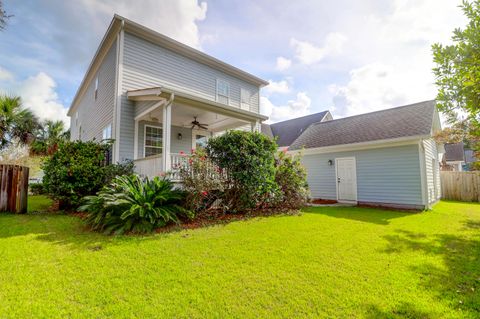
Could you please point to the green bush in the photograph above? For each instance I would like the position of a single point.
(249, 160)
(132, 204)
(37, 189)
(291, 178)
(113, 170)
(78, 169)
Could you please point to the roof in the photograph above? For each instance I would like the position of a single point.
(404, 121)
(454, 152)
(266, 130)
(118, 22)
(288, 131)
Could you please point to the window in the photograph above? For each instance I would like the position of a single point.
(80, 133)
(96, 87)
(245, 99)
(107, 132)
(153, 141)
(223, 91)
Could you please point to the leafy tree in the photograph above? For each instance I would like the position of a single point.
(462, 131)
(457, 69)
(17, 124)
(49, 135)
(3, 17)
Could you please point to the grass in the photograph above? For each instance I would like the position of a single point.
(38, 203)
(328, 262)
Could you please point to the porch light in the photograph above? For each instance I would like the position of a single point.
(179, 136)
(330, 162)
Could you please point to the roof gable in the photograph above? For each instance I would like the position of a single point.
(288, 131)
(404, 121)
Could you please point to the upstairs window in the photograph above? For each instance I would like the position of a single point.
(107, 132)
(153, 141)
(245, 99)
(223, 91)
(96, 87)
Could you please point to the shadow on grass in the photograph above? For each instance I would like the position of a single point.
(458, 283)
(362, 214)
(403, 310)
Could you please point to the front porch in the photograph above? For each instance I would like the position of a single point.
(164, 130)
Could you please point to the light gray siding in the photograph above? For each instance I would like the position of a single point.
(96, 114)
(149, 65)
(432, 173)
(176, 145)
(384, 175)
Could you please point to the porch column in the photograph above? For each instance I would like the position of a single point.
(254, 126)
(166, 136)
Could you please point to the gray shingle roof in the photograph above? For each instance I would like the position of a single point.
(403, 121)
(454, 152)
(266, 130)
(288, 131)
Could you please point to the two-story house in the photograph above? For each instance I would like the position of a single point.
(157, 97)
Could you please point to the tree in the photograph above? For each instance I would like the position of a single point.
(48, 136)
(3, 17)
(457, 69)
(17, 124)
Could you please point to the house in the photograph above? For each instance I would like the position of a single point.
(454, 157)
(385, 158)
(156, 97)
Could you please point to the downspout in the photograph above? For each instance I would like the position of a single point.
(118, 97)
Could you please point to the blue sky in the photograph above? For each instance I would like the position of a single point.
(349, 57)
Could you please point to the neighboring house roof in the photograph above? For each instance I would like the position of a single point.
(288, 131)
(118, 22)
(470, 156)
(404, 121)
(454, 152)
(266, 130)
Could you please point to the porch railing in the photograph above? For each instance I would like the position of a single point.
(152, 166)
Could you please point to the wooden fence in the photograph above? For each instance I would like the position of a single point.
(461, 186)
(13, 188)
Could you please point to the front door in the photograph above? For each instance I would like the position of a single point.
(199, 138)
(346, 179)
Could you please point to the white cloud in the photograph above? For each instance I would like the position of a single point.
(174, 18)
(5, 75)
(38, 94)
(294, 108)
(283, 63)
(394, 56)
(281, 87)
(308, 53)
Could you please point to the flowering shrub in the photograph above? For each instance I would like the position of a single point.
(291, 178)
(201, 179)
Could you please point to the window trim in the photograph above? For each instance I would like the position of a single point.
(96, 87)
(245, 106)
(218, 81)
(145, 139)
(109, 127)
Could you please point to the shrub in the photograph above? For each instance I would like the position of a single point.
(37, 189)
(202, 181)
(78, 169)
(248, 158)
(132, 204)
(291, 178)
(113, 170)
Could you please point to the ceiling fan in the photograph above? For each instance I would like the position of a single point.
(196, 123)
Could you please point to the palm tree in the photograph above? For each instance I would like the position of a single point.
(17, 124)
(49, 135)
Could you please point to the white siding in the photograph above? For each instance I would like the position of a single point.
(95, 114)
(432, 174)
(385, 175)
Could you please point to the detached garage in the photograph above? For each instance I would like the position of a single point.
(386, 158)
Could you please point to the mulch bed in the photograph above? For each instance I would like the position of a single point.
(324, 201)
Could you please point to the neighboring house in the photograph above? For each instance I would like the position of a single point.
(454, 157)
(470, 159)
(157, 97)
(386, 158)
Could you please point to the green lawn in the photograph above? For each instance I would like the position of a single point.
(328, 263)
